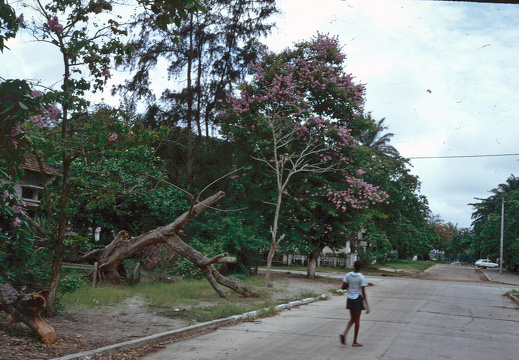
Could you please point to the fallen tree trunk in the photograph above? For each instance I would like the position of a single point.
(26, 307)
(111, 257)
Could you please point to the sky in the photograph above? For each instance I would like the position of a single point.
(443, 74)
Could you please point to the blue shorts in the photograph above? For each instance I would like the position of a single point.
(355, 304)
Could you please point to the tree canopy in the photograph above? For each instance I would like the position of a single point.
(302, 162)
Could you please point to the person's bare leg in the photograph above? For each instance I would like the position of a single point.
(348, 327)
(356, 318)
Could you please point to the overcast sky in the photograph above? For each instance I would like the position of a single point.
(445, 76)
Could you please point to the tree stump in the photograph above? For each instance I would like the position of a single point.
(26, 307)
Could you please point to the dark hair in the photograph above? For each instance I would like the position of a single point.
(357, 265)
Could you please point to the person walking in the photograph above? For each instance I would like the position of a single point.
(357, 301)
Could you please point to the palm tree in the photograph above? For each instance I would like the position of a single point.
(492, 204)
(512, 184)
(374, 139)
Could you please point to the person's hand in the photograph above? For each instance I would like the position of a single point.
(367, 309)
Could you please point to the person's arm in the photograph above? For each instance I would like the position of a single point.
(344, 286)
(365, 299)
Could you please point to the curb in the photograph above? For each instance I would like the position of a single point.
(514, 298)
(190, 330)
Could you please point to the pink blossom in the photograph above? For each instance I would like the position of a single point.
(54, 24)
(15, 130)
(36, 94)
(112, 137)
(131, 133)
(15, 143)
(18, 209)
(52, 112)
(17, 222)
(360, 172)
(106, 73)
(5, 195)
(37, 120)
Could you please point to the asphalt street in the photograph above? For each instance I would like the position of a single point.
(423, 318)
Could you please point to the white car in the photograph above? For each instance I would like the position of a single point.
(486, 263)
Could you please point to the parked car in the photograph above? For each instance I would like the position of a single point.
(486, 263)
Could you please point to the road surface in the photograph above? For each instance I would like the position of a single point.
(419, 319)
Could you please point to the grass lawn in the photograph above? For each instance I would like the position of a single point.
(194, 299)
(408, 265)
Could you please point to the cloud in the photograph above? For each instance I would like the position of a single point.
(443, 74)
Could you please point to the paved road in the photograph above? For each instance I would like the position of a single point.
(417, 319)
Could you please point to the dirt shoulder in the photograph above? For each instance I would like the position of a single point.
(81, 328)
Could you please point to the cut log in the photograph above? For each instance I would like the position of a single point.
(26, 307)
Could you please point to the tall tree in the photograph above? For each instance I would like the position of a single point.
(64, 25)
(206, 56)
(404, 217)
(87, 54)
(487, 222)
(298, 118)
(378, 142)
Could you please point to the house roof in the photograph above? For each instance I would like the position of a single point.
(31, 163)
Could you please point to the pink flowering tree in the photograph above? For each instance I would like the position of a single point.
(297, 123)
(18, 104)
(87, 54)
(88, 36)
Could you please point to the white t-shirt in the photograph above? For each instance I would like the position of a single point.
(355, 281)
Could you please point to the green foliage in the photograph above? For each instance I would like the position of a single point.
(17, 104)
(232, 233)
(487, 223)
(71, 283)
(20, 264)
(158, 259)
(186, 269)
(404, 216)
(299, 119)
(9, 23)
(118, 182)
(170, 12)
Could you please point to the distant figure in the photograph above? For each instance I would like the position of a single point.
(355, 283)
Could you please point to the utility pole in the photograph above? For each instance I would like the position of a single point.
(502, 232)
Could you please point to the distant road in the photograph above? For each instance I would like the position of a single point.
(456, 317)
(451, 272)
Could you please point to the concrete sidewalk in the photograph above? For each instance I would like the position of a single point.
(507, 277)
(410, 319)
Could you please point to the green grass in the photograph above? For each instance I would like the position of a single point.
(193, 300)
(408, 265)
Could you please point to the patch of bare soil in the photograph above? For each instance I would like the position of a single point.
(81, 329)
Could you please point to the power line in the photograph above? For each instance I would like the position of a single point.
(459, 156)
